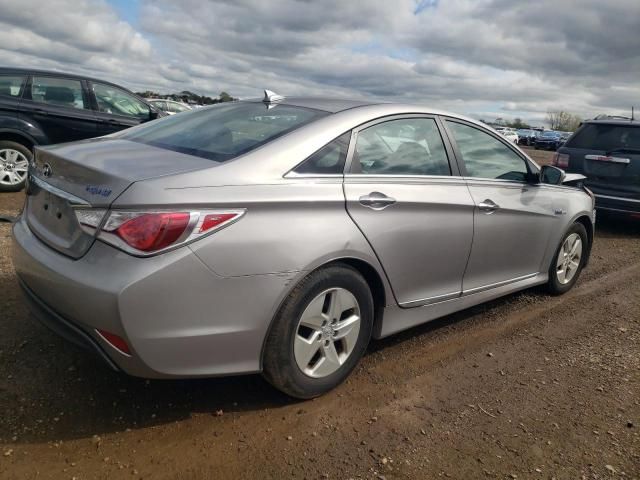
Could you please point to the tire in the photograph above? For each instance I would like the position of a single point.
(291, 342)
(560, 268)
(12, 155)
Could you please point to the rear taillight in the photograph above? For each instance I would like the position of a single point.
(560, 160)
(147, 233)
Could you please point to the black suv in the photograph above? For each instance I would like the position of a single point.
(607, 152)
(41, 108)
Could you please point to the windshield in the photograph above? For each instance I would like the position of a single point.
(607, 137)
(550, 134)
(225, 131)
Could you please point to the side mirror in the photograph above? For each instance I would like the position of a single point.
(153, 114)
(551, 175)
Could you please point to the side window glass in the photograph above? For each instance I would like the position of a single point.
(329, 159)
(486, 157)
(10, 85)
(61, 92)
(411, 146)
(118, 102)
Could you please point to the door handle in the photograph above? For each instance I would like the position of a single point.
(40, 111)
(488, 206)
(376, 200)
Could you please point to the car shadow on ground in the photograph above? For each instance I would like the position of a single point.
(51, 390)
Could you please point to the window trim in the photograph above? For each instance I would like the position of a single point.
(96, 108)
(28, 85)
(453, 166)
(533, 169)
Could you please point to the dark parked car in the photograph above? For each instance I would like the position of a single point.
(607, 152)
(549, 140)
(527, 136)
(41, 108)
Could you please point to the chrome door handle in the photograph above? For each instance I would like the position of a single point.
(376, 200)
(488, 206)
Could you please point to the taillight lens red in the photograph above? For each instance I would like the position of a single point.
(145, 233)
(560, 160)
(153, 231)
(212, 220)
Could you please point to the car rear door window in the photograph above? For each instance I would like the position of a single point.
(10, 85)
(329, 159)
(61, 92)
(118, 102)
(485, 156)
(408, 146)
(175, 107)
(606, 137)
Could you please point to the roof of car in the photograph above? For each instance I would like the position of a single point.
(35, 71)
(332, 105)
(615, 121)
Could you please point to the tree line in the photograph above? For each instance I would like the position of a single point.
(560, 120)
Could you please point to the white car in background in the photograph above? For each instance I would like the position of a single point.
(168, 106)
(509, 133)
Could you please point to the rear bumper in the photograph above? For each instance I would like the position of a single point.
(61, 326)
(178, 317)
(617, 204)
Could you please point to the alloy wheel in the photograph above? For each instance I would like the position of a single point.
(13, 167)
(569, 258)
(327, 332)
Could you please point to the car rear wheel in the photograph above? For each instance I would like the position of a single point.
(320, 333)
(568, 260)
(14, 164)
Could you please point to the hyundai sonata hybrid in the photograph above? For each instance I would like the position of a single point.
(280, 235)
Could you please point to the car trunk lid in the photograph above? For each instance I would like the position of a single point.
(90, 174)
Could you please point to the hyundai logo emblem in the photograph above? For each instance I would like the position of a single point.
(46, 170)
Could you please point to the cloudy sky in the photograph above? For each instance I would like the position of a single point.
(486, 58)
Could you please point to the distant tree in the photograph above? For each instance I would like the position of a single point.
(563, 121)
(225, 97)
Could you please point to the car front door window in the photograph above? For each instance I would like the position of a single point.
(114, 101)
(487, 157)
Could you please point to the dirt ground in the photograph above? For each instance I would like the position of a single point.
(529, 386)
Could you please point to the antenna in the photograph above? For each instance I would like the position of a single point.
(632, 115)
(272, 97)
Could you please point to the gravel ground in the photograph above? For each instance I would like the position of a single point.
(529, 386)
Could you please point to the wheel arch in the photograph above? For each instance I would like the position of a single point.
(18, 137)
(588, 226)
(369, 273)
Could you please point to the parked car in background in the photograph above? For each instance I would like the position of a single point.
(607, 152)
(527, 136)
(281, 235)
(548, 140)
(170, 107)
(41, 108)
(509, 133)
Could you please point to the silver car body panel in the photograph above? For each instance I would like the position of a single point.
(206, 308)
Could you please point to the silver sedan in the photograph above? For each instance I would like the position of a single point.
(280, 235)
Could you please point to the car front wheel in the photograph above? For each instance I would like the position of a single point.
(568, 260)
(320, 333)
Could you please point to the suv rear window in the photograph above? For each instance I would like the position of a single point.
(607, 137)
(223, 132)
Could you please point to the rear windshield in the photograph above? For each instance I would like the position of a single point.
(225, 131)
(607, 137)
